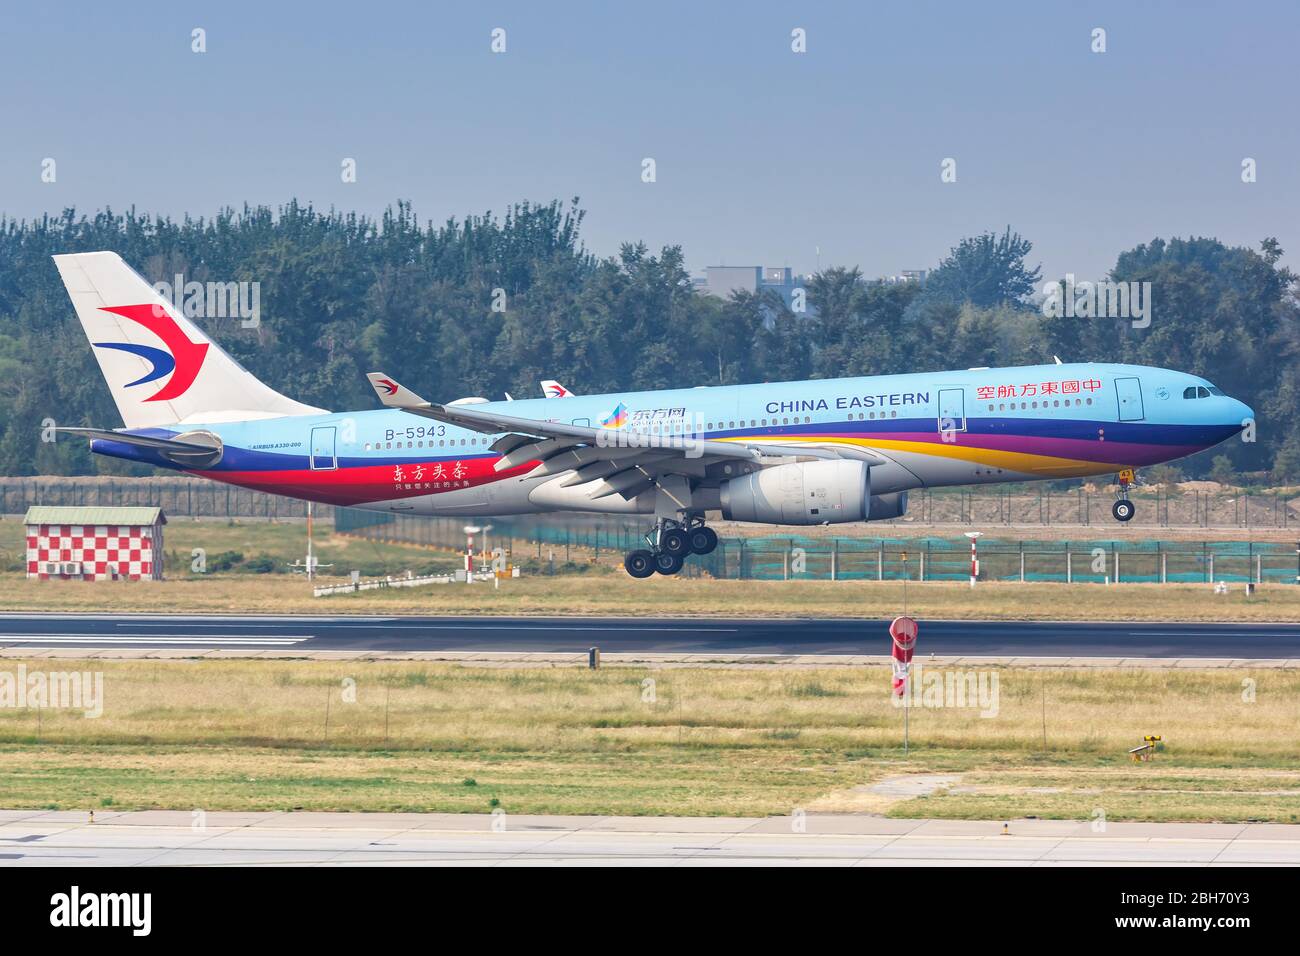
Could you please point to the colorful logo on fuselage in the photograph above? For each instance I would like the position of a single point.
(182, 358)
(617, 418)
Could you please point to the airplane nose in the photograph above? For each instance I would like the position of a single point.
(1239, 413)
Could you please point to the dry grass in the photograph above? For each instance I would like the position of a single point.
(417, 736)
(617, 595)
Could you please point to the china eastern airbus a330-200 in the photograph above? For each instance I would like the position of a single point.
(782, 453)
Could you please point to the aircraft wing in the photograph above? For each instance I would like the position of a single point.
(628, 461)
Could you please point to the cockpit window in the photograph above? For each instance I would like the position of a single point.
(1216, 391)
(1200, 391)
(1189, 391)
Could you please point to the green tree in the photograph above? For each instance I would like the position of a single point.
(985, 270)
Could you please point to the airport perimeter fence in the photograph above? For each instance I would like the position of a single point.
(557, 542)
(178, 497)
(199, 497)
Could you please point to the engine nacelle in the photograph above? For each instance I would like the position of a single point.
(813, 492)
(884, 507)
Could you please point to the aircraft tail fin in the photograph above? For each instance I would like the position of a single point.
(553, 389)
(160, 367)
(394, 394)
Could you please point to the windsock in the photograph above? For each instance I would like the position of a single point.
(902, 632)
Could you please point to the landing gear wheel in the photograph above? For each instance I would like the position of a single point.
(639, 564)
(703, 540)
(666, 563)
(1123, 510)
(675, 542)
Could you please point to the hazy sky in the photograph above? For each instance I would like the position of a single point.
(762, 154)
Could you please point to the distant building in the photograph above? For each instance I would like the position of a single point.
(907, 275)
(94, 544)
(722, 281)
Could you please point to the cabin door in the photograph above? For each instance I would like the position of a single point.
(322, 449)
(1129, 393)
(952, 410)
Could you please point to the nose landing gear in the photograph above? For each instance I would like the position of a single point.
(1123, 509)
(671, 543)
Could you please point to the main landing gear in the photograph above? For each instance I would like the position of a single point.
(671, 542)
(1123, 509)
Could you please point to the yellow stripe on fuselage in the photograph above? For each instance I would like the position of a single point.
(1017, 461)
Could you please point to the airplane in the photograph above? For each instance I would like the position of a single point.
(783, 453)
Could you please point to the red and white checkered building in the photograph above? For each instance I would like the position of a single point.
(94, 544)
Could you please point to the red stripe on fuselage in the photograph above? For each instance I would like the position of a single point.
(367, 483)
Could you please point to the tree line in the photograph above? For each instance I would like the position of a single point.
(494, 302)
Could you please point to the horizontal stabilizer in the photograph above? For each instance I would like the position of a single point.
(198, 454)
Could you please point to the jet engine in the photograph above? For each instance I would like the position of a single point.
(814, 492)
(884, 507)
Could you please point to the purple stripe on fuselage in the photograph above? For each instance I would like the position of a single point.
(1075, 449)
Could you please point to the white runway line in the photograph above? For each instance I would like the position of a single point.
(476, 627)
(154, 639)
(558, 627)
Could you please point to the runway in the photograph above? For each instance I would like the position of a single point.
(660, 636)
(193, 838)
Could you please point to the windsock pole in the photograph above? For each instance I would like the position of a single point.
(974, 556)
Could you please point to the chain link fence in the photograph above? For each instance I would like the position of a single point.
(948, 559)
(556, 540)
(1159, 508)
(563, 540)
(181, 497)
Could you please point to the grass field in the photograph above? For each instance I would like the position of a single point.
(617, 595)
(416, 736)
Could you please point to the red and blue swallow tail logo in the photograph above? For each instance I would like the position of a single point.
(182, 358)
